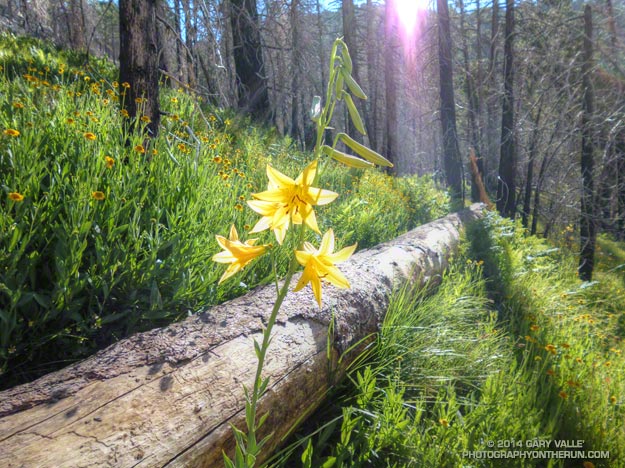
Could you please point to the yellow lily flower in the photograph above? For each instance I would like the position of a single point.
(319, 264)
(289, 201)
(236, 253)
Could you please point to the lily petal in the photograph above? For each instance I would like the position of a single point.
(280, 233)
(278, 178)
(279, 195)
(302, 257)
(319, 196)
(223, 257)
(343, 254)
(262, 224)
(307, 177)
(303, 280)
(234, 236)
(222, 241)
(335, 277)
(311, 221)
(231, 271)
(315, 283)
(263, 208)
(327, 243)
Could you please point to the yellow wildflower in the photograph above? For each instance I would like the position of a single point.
(236, 253)
(97, 195)
(126, 85)
(146, 119)
(16, 196)
(124, 113)
(109, 162)
(319, 264)
(140, 149)
(551, 348)
(18, 105)
(11, 132)
(563, 395)
(289, 201)
(443, 422)
(90, 136)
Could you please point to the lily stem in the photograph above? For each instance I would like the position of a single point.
(259, 388)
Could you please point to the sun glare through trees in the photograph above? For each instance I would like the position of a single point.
(408, 12)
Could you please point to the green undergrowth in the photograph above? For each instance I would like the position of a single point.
(115, 231)
(511, 355)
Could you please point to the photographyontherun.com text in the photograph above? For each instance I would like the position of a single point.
(535, 449)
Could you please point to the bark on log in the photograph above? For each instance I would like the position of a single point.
(166, 397)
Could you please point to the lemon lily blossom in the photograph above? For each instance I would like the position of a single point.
(289, 201)
(319, 264)
(237, 253)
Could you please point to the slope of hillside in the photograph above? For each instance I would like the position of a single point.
(104, 232)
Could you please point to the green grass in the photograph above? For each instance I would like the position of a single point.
(511, 349)
(116, 232)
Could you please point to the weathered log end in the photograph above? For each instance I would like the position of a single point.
(167, 397)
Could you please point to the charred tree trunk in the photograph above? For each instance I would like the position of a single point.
(390, 85)
(189, 41)
(451, 151)
(167, 397)
(473, 104)
(587, 223)
(533, 150)
(297, 125)
(620, 187)
(77, 27)
(490, 91)
(506, 188)
(537, 192)
(372, 80)
(253, 96)
(351, 39)
(138, 60)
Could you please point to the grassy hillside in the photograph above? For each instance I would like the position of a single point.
(104, 233)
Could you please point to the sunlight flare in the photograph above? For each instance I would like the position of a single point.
(408, 13)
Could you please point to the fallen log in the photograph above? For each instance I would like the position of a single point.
(167, 397)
